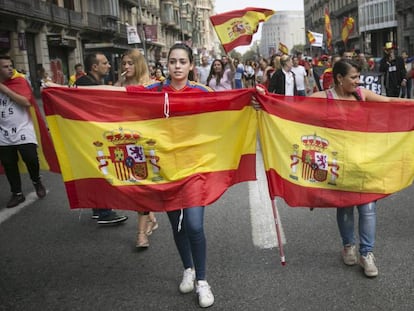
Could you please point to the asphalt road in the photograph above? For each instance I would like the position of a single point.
(54, 258)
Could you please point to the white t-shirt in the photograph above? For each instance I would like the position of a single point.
(300, 74)
(16, 126)
(203, 72)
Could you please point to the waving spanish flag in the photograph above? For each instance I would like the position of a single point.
(283, 48)
(124, 151)
(325, 153)
(328, 29)
(347, 28)
(236, 28)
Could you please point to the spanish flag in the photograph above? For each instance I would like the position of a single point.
(311, 37)
(151, 151)
(46, 153)
(328, 29)
(326, 153)
(236, 28)
(347, 28)
(283, 48)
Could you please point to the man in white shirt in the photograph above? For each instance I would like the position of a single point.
(203, 70)
(302, 82)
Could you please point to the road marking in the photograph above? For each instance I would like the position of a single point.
(6, 213)
(263, 224)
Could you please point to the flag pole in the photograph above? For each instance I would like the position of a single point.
(278, 235)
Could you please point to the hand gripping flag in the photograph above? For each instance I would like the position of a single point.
(236, 28)
(326, 153)
(119, 150)
(347, 28)
(46, 153)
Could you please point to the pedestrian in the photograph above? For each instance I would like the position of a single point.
(301, 77)
(97, 68)
(238, 75)
(393, 69)
(203, 70)
(77, 74)
(219, 78)
(283, 80)
(408, 62)
(17, 133)
(135, 72)
(346, 87)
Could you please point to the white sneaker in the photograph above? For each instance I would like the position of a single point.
(205, 296)
(349, 255)
(187, 283)
(368, 264)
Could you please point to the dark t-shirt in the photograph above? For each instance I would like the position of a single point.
(87, 80)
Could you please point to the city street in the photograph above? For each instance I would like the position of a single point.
(54, 258)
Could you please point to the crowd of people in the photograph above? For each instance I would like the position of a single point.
(288, 75)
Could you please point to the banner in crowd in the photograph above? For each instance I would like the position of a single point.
(151, 151)
(236, 28)
(315, 38)
(47, 156)
(372, 81)
(324, 153)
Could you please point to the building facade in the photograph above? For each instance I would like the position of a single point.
(286, 27)
(56, 34)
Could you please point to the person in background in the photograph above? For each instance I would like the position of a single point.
(327, 76)
(249, 74)
(346, 87)
(135, 72)
(238, 75)
(362, 60)
(203, 70)
(17, 135)
(283, 80)
(393, 69)
(347, 55)
(408, 61)
(97, 67)
(267, 72)
(219, 79)
(78, 73)
(159, 74)
(301, 77)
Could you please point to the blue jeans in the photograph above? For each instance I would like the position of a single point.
(367, 226)
(190, 240)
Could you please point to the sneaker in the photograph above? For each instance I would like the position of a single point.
(368, 264)
(95, 215)
(205, 296)
(349, 255)
(15, 199)
(187, 283)
(40, 189)
(112, 219)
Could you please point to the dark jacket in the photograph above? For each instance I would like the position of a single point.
(394, 72)
(277, 83)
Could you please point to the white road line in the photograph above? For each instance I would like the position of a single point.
(6, 213)
(263, 224)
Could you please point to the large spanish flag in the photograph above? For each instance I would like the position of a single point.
(47, 156)
(235, 28)
(151, 151)
(326, 153)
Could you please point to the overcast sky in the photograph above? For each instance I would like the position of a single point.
(276, 5)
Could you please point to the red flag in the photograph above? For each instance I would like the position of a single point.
(236, 28)
(283, 48)
(347, 28)
(120, 151)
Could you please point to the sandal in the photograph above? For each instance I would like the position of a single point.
(151, 226)
(142, 240)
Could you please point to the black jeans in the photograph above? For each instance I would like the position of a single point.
(9, 158)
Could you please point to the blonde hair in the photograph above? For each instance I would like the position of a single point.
(141, 68)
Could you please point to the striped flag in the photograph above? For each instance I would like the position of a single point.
(236, 28)
(315, 38)
(328, 30)
(283, 48)
(118, 150)
(347, 28)
(320, 153)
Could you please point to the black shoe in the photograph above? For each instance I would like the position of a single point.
(16, 199)
(95, 215)
(111, 219)
(40, 189)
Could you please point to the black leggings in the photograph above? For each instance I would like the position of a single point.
(9, 159)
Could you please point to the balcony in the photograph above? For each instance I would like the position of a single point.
(17, 7)
(75, 19)
(60, 15)
(94, 22)
(41, 9)
(109, 23)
